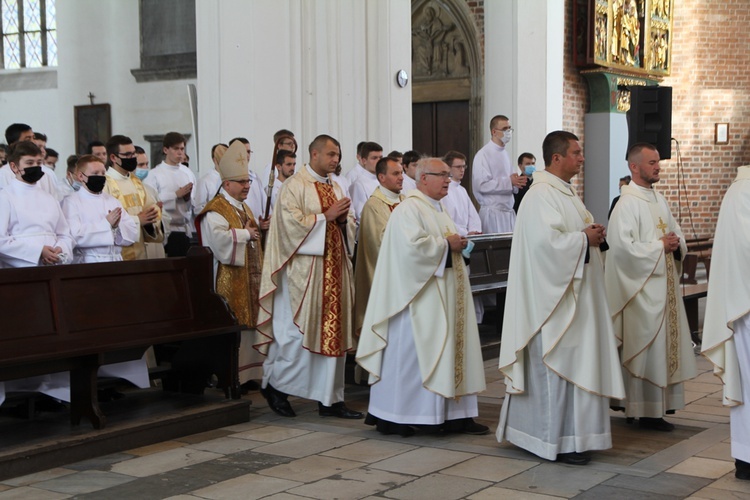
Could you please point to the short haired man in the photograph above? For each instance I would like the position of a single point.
(367, 182)
(3, 154)
(285, 139)
(420, 347)
(526, 167)
(457, 202)
(358, 168)
(285, 165)
(69, 184)
(174, 183)
(726, 329)
(40, 140)
(51, 158)
(133, 195)
(558, 354)
(306, 292)
(227, 226)
(154, 250)
(409, 161)
(20, 132)
(642, 278)
(98, 149)
(375, 215)
(16, 132)
(624, 181)
(494, 179)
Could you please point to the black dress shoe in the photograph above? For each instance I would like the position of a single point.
(338, 410)
(386, 428)
(277, 402)
(465, 426)
(574, 458)
(742, 470)
(656, 424)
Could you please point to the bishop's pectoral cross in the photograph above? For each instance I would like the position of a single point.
(661, 225)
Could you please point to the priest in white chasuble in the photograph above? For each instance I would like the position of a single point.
(227, 226)
(307, 292)
(375, 215)
(419, 340)
(642, 278)
(726, 329)
(558, 354)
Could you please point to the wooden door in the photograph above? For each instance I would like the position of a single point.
(439, 127)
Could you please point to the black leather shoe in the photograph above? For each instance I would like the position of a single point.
(742, 470)
(656, 424)
(465, 426)
(277, 402)
(574, 458)
(338, 410)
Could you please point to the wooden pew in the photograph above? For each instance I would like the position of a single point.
(488, 269)
(699, 250)
(78, 317)
(690, 296)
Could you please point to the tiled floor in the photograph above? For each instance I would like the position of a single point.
(314, 457)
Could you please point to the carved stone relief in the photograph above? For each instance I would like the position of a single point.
(439, 49)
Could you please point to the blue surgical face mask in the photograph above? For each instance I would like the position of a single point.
(141, 173)
(530, 169)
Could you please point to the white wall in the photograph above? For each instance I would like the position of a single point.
(524, 70)
(311, 66)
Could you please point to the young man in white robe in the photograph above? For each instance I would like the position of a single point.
(419, 340)
(306, 293)
(286, 165)
(210, 182)
(726, 329)
(33, 232)
(494, 179)
(19, 132)
(228, 227)
(559, 354)
(409, 162)
(642, 279)
(366, 182)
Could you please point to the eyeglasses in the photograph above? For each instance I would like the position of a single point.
(245, 182)
(126, 155)
(444, 175)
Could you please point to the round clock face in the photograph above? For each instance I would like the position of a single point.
(402, 78)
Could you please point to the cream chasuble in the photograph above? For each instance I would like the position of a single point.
(729, 287)
(439, 305)
(645, 301)
(375, 215)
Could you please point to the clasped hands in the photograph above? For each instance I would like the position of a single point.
(671, 242)
(338, 211)
(596, 234)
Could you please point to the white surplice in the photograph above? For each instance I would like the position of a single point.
(657, 353)
(166, 180)
(419, 340)
(559, 354)
(408, 185)
(492, 188)
(256, 197)
(726, 328)
(96, 240)
(206, 188)
(361, 190)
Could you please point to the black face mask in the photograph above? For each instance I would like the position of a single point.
(128, 164)
(95, 183)
(32, 174)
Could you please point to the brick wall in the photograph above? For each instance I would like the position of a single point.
(575, 92)
(476, 7)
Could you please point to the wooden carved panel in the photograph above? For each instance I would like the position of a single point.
(439, 48)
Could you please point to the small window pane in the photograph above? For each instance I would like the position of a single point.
(11, 51)
(51, 15)
(10, 17)
(32, 20)
(33, 50)
(25, 48)
(51, 48)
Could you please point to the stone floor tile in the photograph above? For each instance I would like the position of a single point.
(4, 487)
(369, 450)
(698, 387)
(182, 497)
(226, 445)
(284, 496)
(270, 433)
(437, 486)
(493, 469)
(161, 462)
(719, 451)
(703, 467)
(246, 426)
(155, 448)
(310, 469)
(557, 479)
(38, 476)
(611, 493)
(661, 484)
(244, 487)
(717, 494)
(29, 493)
(104, 463)
(701, 407)
(84, 482)
(731, 483)
(357, 483)
(422, 461)
(204, 436)
(307, 444)
(494, 493)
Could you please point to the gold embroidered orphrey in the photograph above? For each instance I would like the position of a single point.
(673, 332)
(459, 272)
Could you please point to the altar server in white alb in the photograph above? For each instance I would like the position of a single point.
(642, 278)
(559, 354)
(726, 329)
(98, 222)
(419, 340)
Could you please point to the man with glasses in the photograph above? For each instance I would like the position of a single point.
(227, 226)
(432, 370)
(494, 179)
(132, 194)
(256, 198)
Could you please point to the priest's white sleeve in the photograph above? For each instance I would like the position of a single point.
(227, 244)
(315, 243)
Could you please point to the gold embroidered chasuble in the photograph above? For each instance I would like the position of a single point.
(374, 218)
(441, 308)
(643, 290)
(238, 282)
(320, 287)
(134, 198)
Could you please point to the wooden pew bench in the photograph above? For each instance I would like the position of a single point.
(77, 318)
(488, 269)
(690, 296)
(699, 250)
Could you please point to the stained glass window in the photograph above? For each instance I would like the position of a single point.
(28, 34)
